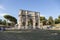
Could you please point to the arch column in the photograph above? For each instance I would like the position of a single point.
(38, 20)
(34, 21)
(26, 25)
(19, 20)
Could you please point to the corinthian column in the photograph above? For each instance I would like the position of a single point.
(39, 20)
(26, 25)
(34, 27)
(19, 21)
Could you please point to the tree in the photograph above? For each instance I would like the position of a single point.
(43, 20)
(50, 20)
(11, 18)
(0, 21)
(57, 20)
(59, 17)
(4, 22)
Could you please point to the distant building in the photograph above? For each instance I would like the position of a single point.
(28, 19)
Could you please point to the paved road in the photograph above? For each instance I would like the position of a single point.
(34, 35)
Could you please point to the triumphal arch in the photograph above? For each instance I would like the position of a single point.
(28, 19)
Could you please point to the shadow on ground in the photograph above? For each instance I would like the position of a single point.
(33, 35)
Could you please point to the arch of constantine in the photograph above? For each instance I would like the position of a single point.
(28, 19)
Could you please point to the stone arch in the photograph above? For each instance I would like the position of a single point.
(30, 23)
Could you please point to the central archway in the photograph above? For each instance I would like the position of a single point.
(30, 24)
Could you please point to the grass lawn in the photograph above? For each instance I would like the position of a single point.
(34, 35)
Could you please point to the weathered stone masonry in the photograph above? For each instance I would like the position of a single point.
(28, 19)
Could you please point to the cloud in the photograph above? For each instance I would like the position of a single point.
(42, 15)
(46, 16)
(2, 14)
(2, 7)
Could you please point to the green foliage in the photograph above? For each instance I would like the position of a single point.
(50, 20)
(43, 20)
(0, 21)
(4, 22)
(59, 17)
(57, 20)
(10, 18)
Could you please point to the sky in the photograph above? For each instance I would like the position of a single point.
(45, 7)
